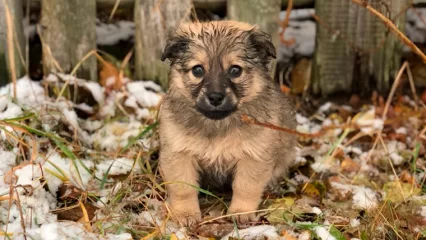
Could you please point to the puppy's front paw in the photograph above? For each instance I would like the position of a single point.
(187, 217)
(241, 217)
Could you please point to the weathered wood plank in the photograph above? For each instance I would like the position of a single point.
(154, 21)
(68, 34)
(355, 51)
(15, 7)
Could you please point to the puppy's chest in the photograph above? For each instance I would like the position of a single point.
(235, 145)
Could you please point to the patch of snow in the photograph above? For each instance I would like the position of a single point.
(113, 33)
(8, 109)
(369, 121)
(363, 197)
(265, 231)
(144, 97)
(116, 167)
(68, 170)
(423, 212)
(355, 223)
(323, 233)
(316, 210)
(325, 107)
(322, 164)
(116, 135)
(28, 92)
(303, 33)
(401, 130)
(96, 90)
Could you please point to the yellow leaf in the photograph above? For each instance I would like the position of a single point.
(393, 191)
(173, 237)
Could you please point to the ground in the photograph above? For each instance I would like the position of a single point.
(85, 166)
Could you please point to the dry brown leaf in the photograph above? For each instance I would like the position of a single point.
(287, 235)
(110, 73)
(348, 165)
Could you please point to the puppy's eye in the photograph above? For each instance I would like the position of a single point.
(235, 71)
(198, 71)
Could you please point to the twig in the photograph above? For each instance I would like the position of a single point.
(412, 86)
(10, 46)
(392, 27)
(21, 215)
(114, 9)
(394, 86)
(285, 24)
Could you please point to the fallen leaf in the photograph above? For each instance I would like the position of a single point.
(348, 165)
(287, 235)
(393, 191)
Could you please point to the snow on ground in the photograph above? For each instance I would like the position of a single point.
(33, 185)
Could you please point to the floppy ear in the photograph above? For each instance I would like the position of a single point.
(175, 48)
(262, 43)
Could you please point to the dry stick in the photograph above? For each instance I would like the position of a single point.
(392, 27)
(413, 87)
(21, 215)
(394, 86)
(285, 24)
(114, 9)
(10, 46)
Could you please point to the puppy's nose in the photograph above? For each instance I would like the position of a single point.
(216, 98)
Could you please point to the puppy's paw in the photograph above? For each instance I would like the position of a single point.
(187, 218)
(241, 217)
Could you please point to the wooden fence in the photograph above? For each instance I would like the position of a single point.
(68, 35)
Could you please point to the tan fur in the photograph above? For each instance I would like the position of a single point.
(192, 143)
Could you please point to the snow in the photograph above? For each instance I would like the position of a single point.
(415, 28)
(302, 31)
(265, 231)
(316, 210)
(8, 109)
(368, 121)
(363, 197)
(28, 92)
(143, 96)
(113, 33)
(323, 233)
(304, 236)
(117, 166)
(52, 168)
(355, 223)
(423, 211)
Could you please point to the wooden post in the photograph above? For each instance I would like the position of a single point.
(154, 20)
(355, 52)
(69, 34)
(16, 14)
(264, 13)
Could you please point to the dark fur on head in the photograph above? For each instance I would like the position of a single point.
(219, 46)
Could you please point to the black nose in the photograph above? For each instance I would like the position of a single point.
(216, 98)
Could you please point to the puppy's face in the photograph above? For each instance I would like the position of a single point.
(219, 65)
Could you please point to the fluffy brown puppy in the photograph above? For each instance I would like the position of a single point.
(219, 71)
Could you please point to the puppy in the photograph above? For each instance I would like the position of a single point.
(219, 72)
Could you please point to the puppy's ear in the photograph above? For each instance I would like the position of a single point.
(175, 47)
(262, 43)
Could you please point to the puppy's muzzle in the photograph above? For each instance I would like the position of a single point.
(216, 98)
(215, 105)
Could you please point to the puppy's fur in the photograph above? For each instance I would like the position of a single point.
(201, 133)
